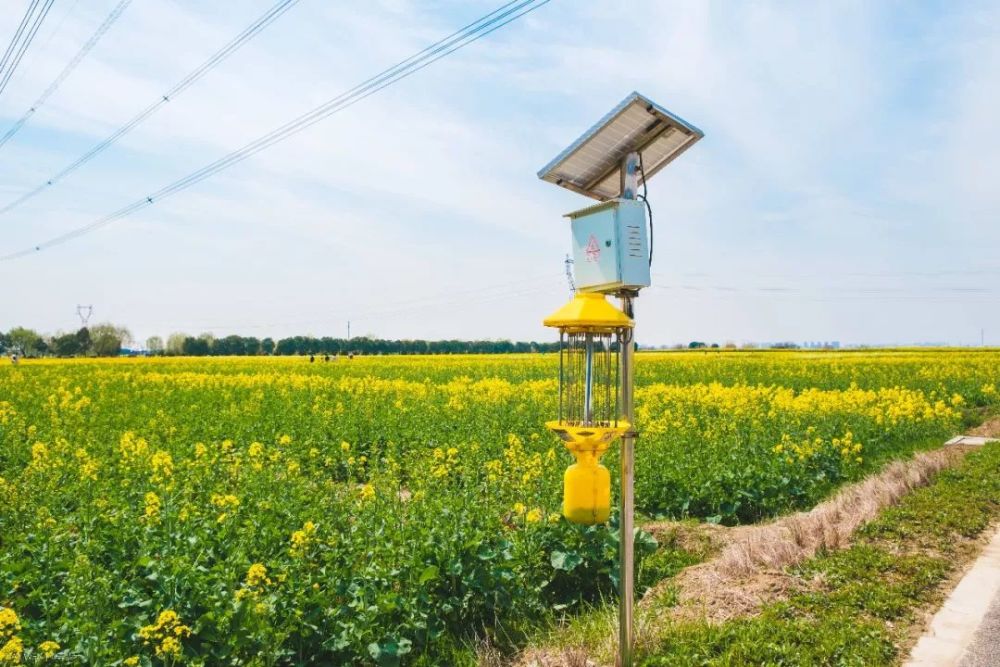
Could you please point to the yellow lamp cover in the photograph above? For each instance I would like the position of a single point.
(589, 312)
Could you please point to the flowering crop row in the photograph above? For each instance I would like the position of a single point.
(387, 511)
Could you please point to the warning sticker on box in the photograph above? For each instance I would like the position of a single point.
(593, 250)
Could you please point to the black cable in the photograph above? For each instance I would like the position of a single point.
(645, 198)
(16, 39)
(460, 39)
(67, 70)
(248, 33)
(28, 39)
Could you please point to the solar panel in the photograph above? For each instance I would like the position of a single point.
(591, 165)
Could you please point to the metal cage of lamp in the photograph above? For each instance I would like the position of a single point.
(589, 385)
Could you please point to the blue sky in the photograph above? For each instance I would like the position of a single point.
(846, 188)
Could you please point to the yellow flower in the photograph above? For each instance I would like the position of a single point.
(345, 446)
(257, 576)
(520, 508)
(131, 662)
(199, 452)
(367, 492)
(285, 440)
(162, 464)
(228, 501)
(152, 506)
(255, 449)
(11, 652)
(165, 635)
(301, 539)
(10, 624)
(554, 517)
(534, 516)
(48, 649)
(39, 454)
(169, 647)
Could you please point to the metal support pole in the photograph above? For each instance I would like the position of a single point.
(626, 517)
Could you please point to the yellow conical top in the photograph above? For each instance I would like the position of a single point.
(588, 311)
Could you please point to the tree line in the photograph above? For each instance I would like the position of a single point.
(100, 340)
(103, 340)
(208, 345)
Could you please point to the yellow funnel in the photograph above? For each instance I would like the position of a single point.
(588, 312)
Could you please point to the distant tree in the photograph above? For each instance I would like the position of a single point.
(107, 339)
(154, 345)
(235, 345)
(66, 345)
(730, 345)
(175, 343)
(251, 345)
(25, 341)
(83, 337)
(195, 347)
(696, 344)
(267, 346)
(4, 342)
(208, 339)
(715, 346)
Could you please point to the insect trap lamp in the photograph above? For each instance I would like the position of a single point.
(612, 244)
(590, 336)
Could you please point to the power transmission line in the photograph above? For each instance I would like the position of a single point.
(461, 297)
(23, 37)
(248, 33)
(476, 30)
(67, 70)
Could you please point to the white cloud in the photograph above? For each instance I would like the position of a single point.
(815, 166)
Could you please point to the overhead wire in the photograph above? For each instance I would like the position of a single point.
(67, 70)
(476, 30)
(465, 298)
(16, 39)
(190, 79)
(15, 52)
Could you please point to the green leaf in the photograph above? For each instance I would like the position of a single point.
(430, 573)
(564, 561)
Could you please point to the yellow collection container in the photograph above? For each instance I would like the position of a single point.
(587, 490)
(587, 483)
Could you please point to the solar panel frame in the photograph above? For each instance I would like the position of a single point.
(591, 165)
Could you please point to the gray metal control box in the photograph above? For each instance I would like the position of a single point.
(610, 246)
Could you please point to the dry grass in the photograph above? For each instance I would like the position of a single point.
(567, 657)
(988, 429)
(749, 570)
